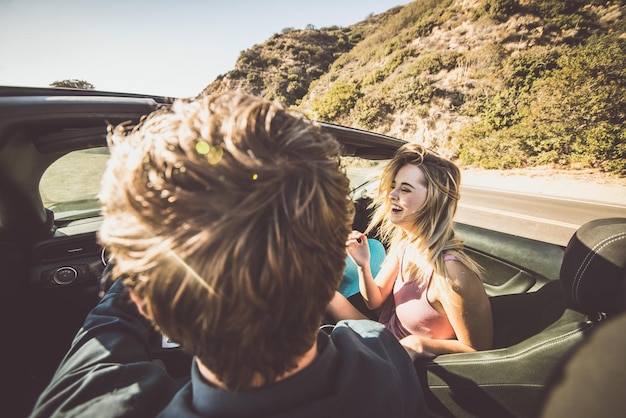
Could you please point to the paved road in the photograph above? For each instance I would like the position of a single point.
(545, 218)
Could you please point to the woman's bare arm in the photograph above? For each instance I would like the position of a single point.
(341, 308)
(469, 312)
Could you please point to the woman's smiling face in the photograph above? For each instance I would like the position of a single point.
(408, 194)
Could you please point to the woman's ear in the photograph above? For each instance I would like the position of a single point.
(139, 303)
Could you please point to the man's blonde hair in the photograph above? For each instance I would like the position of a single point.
(228, 215)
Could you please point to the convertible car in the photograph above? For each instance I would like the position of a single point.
(546, 299)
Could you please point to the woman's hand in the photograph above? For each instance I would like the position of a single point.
(425, 348)
(418, 348)
(358, 248)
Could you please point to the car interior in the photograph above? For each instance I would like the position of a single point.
(545, 298)
(535, 331)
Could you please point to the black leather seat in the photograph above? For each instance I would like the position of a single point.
(534, 332)
(591, 382)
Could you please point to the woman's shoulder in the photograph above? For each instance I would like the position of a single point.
(460, 276)
(397, 249)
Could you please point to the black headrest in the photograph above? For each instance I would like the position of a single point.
(593, 272)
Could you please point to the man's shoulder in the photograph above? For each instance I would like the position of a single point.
(373, 364)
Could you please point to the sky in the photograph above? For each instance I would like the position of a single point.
(171, 48)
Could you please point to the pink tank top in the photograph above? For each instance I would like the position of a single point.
(413, 314)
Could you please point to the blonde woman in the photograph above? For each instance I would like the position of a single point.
(428, 291)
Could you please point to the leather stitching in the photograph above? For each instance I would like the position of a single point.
(587, 261)
(526, 352)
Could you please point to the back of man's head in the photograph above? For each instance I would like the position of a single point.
(229, 216)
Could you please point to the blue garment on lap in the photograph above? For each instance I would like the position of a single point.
(350, 284)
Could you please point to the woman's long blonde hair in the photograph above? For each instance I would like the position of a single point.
(432, 231)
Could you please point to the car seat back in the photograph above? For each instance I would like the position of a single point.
(593, 268)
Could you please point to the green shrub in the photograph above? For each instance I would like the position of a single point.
(236, 74)
(374, 77)
(338, 101)
(479, 145)
(410, 91)
(304, 55)
(496, 9)
(553, 8)
(433, 61)
(314, 71)
(502, 110)
(295, 88)
(253, 78)
(370, 111)
(522, 70)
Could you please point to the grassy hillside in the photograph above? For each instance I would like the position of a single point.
(489, 83)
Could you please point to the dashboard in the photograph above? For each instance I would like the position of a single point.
(66, 274)
(69, 262)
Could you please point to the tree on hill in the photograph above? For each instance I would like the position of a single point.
(74, 84)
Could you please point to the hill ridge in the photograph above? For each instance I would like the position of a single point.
(489, 83)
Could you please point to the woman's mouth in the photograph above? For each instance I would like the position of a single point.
(396, 209)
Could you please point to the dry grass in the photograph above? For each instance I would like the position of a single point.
(75, 176)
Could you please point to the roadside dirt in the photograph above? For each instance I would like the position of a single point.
(587, 184)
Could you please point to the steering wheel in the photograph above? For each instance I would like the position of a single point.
(106, 279)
